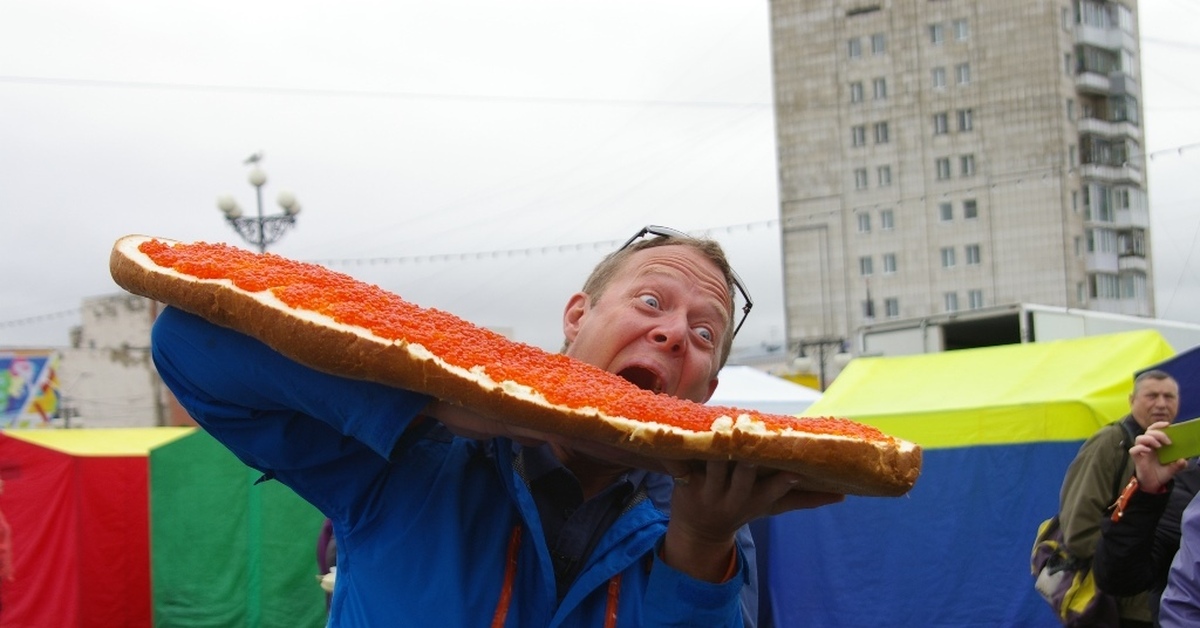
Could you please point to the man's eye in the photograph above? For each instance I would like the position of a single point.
(650, 300)
(705, 333)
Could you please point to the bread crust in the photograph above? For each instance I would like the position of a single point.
(831, 463)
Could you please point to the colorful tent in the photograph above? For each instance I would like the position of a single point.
(151, 527)
(999, 426)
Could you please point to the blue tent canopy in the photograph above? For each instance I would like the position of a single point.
(999, 426)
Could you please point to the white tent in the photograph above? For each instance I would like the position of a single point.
(750, 388)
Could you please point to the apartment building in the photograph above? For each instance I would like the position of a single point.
(944, 156)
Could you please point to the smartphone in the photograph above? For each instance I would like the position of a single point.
(1185, 441)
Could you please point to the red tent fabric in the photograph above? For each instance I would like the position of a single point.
(77, 506)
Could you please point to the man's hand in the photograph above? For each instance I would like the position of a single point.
(712, 500)
(1153, 475)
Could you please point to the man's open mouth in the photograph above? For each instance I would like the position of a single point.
(643, 378)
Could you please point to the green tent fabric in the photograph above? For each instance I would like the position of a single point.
(1047, 391)
(227, 551)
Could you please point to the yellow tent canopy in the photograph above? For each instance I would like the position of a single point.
(1047, 391)
(115, 441)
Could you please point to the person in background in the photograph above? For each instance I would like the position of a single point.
(1088, 489)
(446, 517)
(1140, 539)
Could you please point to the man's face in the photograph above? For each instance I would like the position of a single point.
(659, 323)
(1154, 400)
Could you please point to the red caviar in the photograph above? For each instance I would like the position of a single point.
(560, 379)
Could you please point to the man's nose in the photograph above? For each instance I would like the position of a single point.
(670, 333)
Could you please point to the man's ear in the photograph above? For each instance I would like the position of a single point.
(573, 315)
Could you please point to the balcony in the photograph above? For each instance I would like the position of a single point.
(1102, 263)
(1110, 38)
(1133, 217)
(1093, 83)
(1104, 128)
(1112, 174)
(1131, 264)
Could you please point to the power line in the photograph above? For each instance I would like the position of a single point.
(39, 318)
(531, 251)
(355, 93)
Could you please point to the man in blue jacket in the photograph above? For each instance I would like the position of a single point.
(445, 517)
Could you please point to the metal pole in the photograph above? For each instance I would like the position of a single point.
(262, 233)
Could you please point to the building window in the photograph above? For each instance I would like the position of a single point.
(858, 135)
(889, 263)
(972, 253)
(950, 300)
(891, 307)
(962, 72)
(885, 177)
(887, 220)
(880, 86)
(881, 132)
(970, 209)
(1071, 109)
(1105, 286)
(866, 266)
(975, 299)
(945, 212)
(943, 168)
(937, 34)
(860, 178)
(966, 165)
(878, 44)
(948, 260)
(855, 48)
(864, 222)
(856, 91)
(966, 119)
(962, 32)
(940, 123)
(868, 308)
(939, 78)
(1067, 22)
(1072, 155)
(1068, 67)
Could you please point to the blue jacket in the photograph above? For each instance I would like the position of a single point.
(431, 529)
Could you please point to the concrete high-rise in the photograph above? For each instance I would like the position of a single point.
(943, 156)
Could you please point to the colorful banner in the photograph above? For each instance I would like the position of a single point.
(29, 393)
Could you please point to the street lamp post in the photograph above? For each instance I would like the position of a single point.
(260, 230)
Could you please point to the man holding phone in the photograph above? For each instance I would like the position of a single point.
(1088, 489)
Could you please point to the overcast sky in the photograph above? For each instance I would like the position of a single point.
(523, 138)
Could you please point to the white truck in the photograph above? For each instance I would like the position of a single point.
(1009, 324)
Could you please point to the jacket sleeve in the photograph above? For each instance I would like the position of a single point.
(285, 419)
(1180, 605)
(673, 598)
(1124, 563)
(1087, 490)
